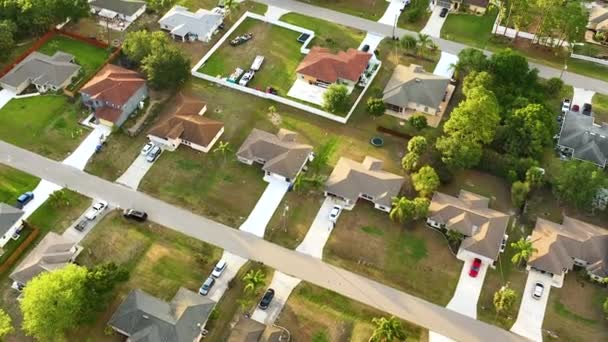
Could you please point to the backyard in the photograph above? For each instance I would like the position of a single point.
(369, 9)
(51, 123)
(600, 108)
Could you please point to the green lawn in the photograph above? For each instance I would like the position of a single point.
(600, 107)
(415, 23)
(13, 183)
(469, 29)
(369, 9)
(278, 45)
(47, 125)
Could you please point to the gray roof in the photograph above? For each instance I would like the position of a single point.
(126, 7)
(9, 215)
(349, 179)
(182, 22)
(248, 330)
(588, 140)
(53, 252)
(144, 317)
(413, 84)
(281, 153)
(42, 69)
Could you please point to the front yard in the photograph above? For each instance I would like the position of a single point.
(600, 108)
(13, 183)
(46, 125)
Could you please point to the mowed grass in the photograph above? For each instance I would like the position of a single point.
(369, 9)
(469, 29)
(13, 183)
(278, 45)
(46, 125)
(600, 108)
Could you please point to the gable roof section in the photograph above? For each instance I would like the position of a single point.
(557, 245)
(126, 7)
(114, 84)
(588, 140)
(248, 330)
(9, 215)
(181, 21)
(413, 84)
(349, 179)
(144, 317)
(42, 69)
(470, 215)
(478, 3)
(187, 123)
(324, 65)
(598, 18)
(283, 155)
(53, 252)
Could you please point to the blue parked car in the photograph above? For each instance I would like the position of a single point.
(24, 199)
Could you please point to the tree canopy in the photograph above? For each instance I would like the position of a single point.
(578, 182)
(139, 44)
(335, 99)
(38, 16)
(6, 324)
(529, 130)
(166, 67)
(7, 38)
(425, 181)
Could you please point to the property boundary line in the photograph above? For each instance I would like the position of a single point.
(589, 59)
(19, 250)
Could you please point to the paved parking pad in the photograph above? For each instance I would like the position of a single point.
(282, 285)
(319, 231)
(265, 207)
(233, 264)
(435, 23)
(531, 314)
(77, 236)
(136, 172)
(468, 289)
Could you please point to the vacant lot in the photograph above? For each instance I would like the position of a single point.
(13, 183)
(369, 9)
(47, 125)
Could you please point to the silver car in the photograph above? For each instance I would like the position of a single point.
(153, 154)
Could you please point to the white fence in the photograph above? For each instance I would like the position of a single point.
(304, 49)
(590, 59)
(521, 34)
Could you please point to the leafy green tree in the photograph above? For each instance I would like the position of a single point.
(425, 181)
(519, 193)
(6, 324)
(578, 182)
(471, 59)
(523, 250)
(387, 330)
(554, 86)
(166, 68)
(335, 99)
(101, 281)
(504, 299)
(38, 16)
(410, 161)
(139, 44)
(418, 122)
(160, 5)
(459, 151)
(7, 41)
(421, 207)
(535, 177)
(454, 236)
(402, 209)
(323, 153)
(320, 336)
(417, 145)
(254, 279)
(528, 131)
(375, 106)
(477, 79)
(511, 70)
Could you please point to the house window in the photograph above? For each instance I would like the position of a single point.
(426, 109)
(367, 197)
(393, 108)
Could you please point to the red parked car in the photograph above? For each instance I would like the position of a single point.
(475, 267)
(575, 108)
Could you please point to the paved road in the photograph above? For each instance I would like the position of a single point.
(445, 45)
(249, 246)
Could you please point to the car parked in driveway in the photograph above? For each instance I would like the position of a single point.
(153, 154)
(575, 108)
(587, 109)
(135, 215)
(538, 290)
(206, 287)
(475, 267)
(265, 302)
(566, 105)
(24, 199)
(443, 13)
(219, 268)
(147, 147)
(80, 226)
(96, 210)
(335, 213)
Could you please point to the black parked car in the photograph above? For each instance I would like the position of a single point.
(265, 302)
(365, 48)
(443, 13)
(81, 225)
(135, 215)
(587, 109)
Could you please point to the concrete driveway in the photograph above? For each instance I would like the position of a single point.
(445, 65)
(319, 231)
(582, 96)
(373, 40)
(265, 207)
(282, 285)
(468, 289)
(233, 264)
(392, 13)
(531, 314)
(435, 23)
(275, 12)
(136, 172)
(5, 96)
(77, 236)
(307, 92)
(86, 149)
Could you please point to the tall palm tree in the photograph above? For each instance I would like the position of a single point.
(402, 209)
(253, 280)
(425, 43)
(387, 330)
(408, 42)
(524, 250)
(223, 148)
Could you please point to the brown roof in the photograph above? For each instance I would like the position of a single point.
(281, 153)
(470, 215)
(322, 64)
(113, 84)
(349, 179)
(187, 123)
(248, 330)
(558, 244)
(108, 113)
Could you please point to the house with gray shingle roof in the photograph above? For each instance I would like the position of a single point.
(10, 222)
(47, 73)
(248, 330)
(583, 139)
(143, 317)
(410, 88)
(188, 26)
(122, 12)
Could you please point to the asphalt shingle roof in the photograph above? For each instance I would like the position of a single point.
(588, 139)
(181, 21)
(126, 7)
(413, 84)
(42, 69)
(9, 215)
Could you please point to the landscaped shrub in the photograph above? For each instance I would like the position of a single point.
(500, 164)
(419, 121)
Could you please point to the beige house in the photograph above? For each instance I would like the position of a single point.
(560, 247)
(280, 154)
(598, 19)
(469, 214)
(412, 90)
(351, 180)
(477, 6)
(248, 330)
(187, 126)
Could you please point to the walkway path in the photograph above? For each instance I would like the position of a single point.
(249, 246)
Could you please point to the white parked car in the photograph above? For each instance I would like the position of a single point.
(147, 147)
(246, 78)
(96, 210)
(335, 213)
(566, 106)
(538, 291)
(219, 268)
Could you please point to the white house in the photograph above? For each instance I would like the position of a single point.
(118, 12)
(10, 222)
(188, 26)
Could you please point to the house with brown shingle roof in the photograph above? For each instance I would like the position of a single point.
(322, 67)
(469, 214)
(248, 330)
(280, 154)
(186, 125)
(114, 94)
(351, 180)
(560, 247)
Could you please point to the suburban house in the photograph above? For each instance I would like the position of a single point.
(143, 317)
(560, 247)
(10, 222)
(412, 90)
(322, 67)
(53, 252)
(483, 228)
(476, 6)
(280, 154)
(114, 94)
(598, 18)
(187, 26)
(351, 180)
(248, 330)
(581, 138)
(47, 73)
(187, 126)
(118, 12)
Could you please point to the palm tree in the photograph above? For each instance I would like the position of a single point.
(223, 148)
(387, 330)
(59, 198)
(424, 43)
(504, 299)
(524, 250)
(402, 209)
(454, 236)
(408, 42)
(253, 280)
